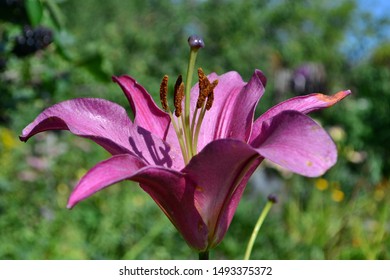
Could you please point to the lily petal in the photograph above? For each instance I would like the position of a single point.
(230, 208)
(98, 119)
(170, 190)
(104, 122)
(296, 142)
(146, 113)
(304, 104)
(104, 174)
(231, 115)
(217, 195)
(174, 194)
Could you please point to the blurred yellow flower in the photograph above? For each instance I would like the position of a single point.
(338, 133)
(63, 189)
(321, 184)
(8, 139)
(337, 195)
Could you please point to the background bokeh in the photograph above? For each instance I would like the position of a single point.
(53, 50)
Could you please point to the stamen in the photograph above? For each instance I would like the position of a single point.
(202, 88)
(178, 96)
(206, 90)
(210, 97)
(187, 132)
(163, 93)
(178, 82)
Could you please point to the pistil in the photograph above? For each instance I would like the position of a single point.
(195, 42)
(187, 132)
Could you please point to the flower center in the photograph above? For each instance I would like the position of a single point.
(187, 129)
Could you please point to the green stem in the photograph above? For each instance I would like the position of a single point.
(187, 125)
(197, 129)
(204, 255)
(178, 129)
(195, 115)
(190, 73)
(255, 232)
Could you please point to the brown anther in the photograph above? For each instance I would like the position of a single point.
(178, 96)
(203, 84)
(210, 100)
(163, 93)
(177, 84)
(206, 90)
(210, 96)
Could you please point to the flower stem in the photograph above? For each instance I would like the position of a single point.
(204, 255)
(264, 213)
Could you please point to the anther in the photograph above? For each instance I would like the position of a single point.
(203, 82)
(163, 93)
(206, 90)
(177, 84)
(178, 96)
(210, 97)
(195, 42)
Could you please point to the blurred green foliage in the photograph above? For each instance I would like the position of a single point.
(343, 215)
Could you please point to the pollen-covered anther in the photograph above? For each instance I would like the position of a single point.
(203, 84)
(178, 96)
(179, 80)
(163, 93)
(206, 90)
(210, 97)
(210, 100)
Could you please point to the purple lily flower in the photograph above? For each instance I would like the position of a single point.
(196, 171)
(200, 197)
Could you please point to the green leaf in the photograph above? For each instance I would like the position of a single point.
(56, 16)
(34, 11)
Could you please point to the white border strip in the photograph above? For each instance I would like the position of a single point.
(275, 270)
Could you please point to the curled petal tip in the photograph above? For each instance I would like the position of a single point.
(25, 135)
(261, 76)
(71, 204)
(333, 99)
(343, 93)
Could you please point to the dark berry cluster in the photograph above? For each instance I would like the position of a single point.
(32, 40)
